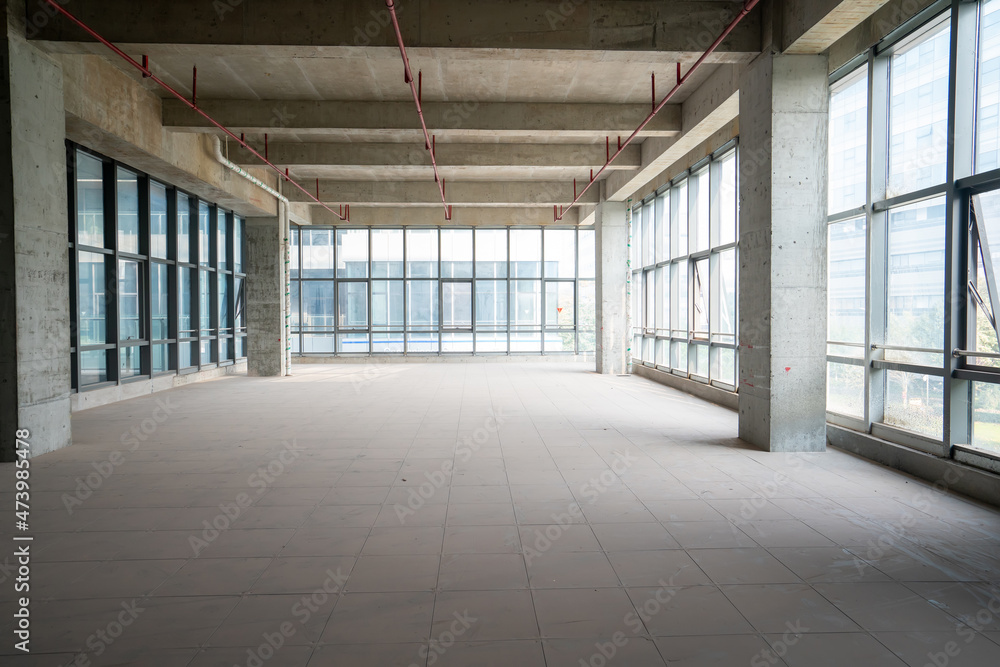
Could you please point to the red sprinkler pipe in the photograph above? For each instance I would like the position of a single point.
(408, 78)
(748, 5)
(146, 73)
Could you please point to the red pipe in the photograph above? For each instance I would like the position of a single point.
(408, 78)
(191, 105)
(748, 5)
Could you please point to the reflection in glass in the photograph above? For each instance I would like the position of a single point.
(159, 304)
(89, 200)
(491, 253)
(915, 298)
(848, 142)
(914, 402)
(387, 253)
(918, 112)
(129, 306)
(158, 220)
(456, 253)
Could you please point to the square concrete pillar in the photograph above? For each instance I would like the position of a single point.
(782, 293)
(613, 328)
(35, 374)
(265, 297)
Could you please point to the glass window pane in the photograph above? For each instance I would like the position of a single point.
(560, 253)
(93, 310)
(491, 304)
(845, 389)
(457, 342)
(679, 356)
(491, 254)
(649, 303)
(128, 212)
(846, 290)
(526, 304)
(130, 362)
(317, 254)
(723, 300)
(421, 253)
(699, 292)
(456, 305)
(724, 203)
(679, 220)
(387, 253)
(204, 234)
(224, 322)
(185, 324)
(679, 294)
(986, 417)
(241, 320)
(660, 226)
(848, 142)
(318, 344)
(159, 304)
(387, 343)
(205, 303)
(698, 360)
(648, 236)
(988, 116)
(161, 358)
(207, 350)
(988, 210)
(356, 343)
(352, 305)
(559, 302)
(422, 343)
(526, 343)
(187, 355)
(456, 253)
(915, 309)
(184, 247)
(422, 304)
(222, 240)
(661, 284)
(387, 303)
(724, 365)
(918, 111)
(238, 246)
(158, 220)
(129, 300)
(698, 200)
(526, 253)
(491, 343)
(636, 240)
(587, 316)
(914, 402)
(93, 367)
(588, 253)
(89, 200)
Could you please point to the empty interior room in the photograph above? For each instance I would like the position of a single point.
(536, 333)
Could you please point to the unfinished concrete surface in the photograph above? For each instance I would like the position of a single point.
(782, 375)
(536, 512)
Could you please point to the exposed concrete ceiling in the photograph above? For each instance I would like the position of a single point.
(521, 96)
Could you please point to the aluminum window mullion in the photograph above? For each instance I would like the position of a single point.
(877, 230)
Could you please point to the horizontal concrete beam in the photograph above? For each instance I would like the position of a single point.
(461, 193)
(278, 117)
(707, 110)
(461, 216)
(812, 26)
(681, 26)
(319, 155)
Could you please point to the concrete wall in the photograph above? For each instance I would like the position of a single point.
(98, 397)
(36, 340)
(782, 291)
(613, 327)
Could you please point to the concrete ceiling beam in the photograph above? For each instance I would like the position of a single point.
(547, 120)
(462, 193)
(637, 25)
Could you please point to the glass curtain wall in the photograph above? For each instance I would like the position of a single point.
(157, 276)
(443, 291)
(914, 206)
(684, 262)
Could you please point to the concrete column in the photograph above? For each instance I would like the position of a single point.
(265, 297)
(613, 330)
(35, 370)
(782, 292)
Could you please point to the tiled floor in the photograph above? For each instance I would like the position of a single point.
(485, 514)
